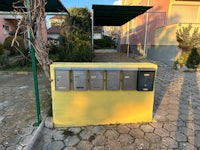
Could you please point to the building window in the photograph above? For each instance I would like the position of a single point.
(6, 29)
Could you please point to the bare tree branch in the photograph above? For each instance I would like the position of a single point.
(35, 26)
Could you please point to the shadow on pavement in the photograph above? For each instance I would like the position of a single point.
(163, 80)
(188, 122)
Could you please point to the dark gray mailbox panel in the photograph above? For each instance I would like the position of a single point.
(80, 80)
(96, 79)
(113, 80)
(129, 79)
(62, 80)
(145, 80)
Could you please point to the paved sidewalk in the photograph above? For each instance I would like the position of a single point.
(176, 119)
(18, 109)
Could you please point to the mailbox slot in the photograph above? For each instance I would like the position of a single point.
(62, 79)
(129, 79)
(113, 79)
(145, 80)
(80, 80)
(96, 79)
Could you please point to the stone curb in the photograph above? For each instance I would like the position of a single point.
(36, 135)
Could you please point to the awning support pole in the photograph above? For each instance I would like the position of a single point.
(146, 30)
(92, 29)
(128, 48)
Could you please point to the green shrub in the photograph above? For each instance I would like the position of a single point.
(57, 53)
(189, 46)
(62, 54)
(54, 57)
(183, 58)
(85, 55)
(198, 51)
(75, 51)
(8, 42)
(198, 67)
(105, 42)
(1, 49)
(3, 60)
(81, 55)
(193, 60)
(81, 52)
(16, 67)
(23, 63)
(53, 49)
(53, 52)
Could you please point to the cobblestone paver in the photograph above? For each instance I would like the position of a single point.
(18, 110)
(176, 122)
(176, 112)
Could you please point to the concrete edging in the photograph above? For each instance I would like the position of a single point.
(36, 135)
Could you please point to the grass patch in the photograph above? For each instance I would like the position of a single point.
(17, 68)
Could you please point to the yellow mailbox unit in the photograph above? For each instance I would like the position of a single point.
(102, 93)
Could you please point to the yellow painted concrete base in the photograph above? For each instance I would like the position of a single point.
(80, 108)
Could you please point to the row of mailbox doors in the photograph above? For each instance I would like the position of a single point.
(132, 79)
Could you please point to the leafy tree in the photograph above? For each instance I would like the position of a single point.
(77, 33)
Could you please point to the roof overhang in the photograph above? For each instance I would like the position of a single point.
(116, 15)
(51, 6)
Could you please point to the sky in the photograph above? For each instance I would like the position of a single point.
(87, 3)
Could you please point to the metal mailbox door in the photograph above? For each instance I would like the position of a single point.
(129, 81)
(96, 79)
(113, 79)
(62, 78)
(145, 79)
(80, 80)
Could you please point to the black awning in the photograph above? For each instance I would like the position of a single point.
(116, 15)
(51, 6)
